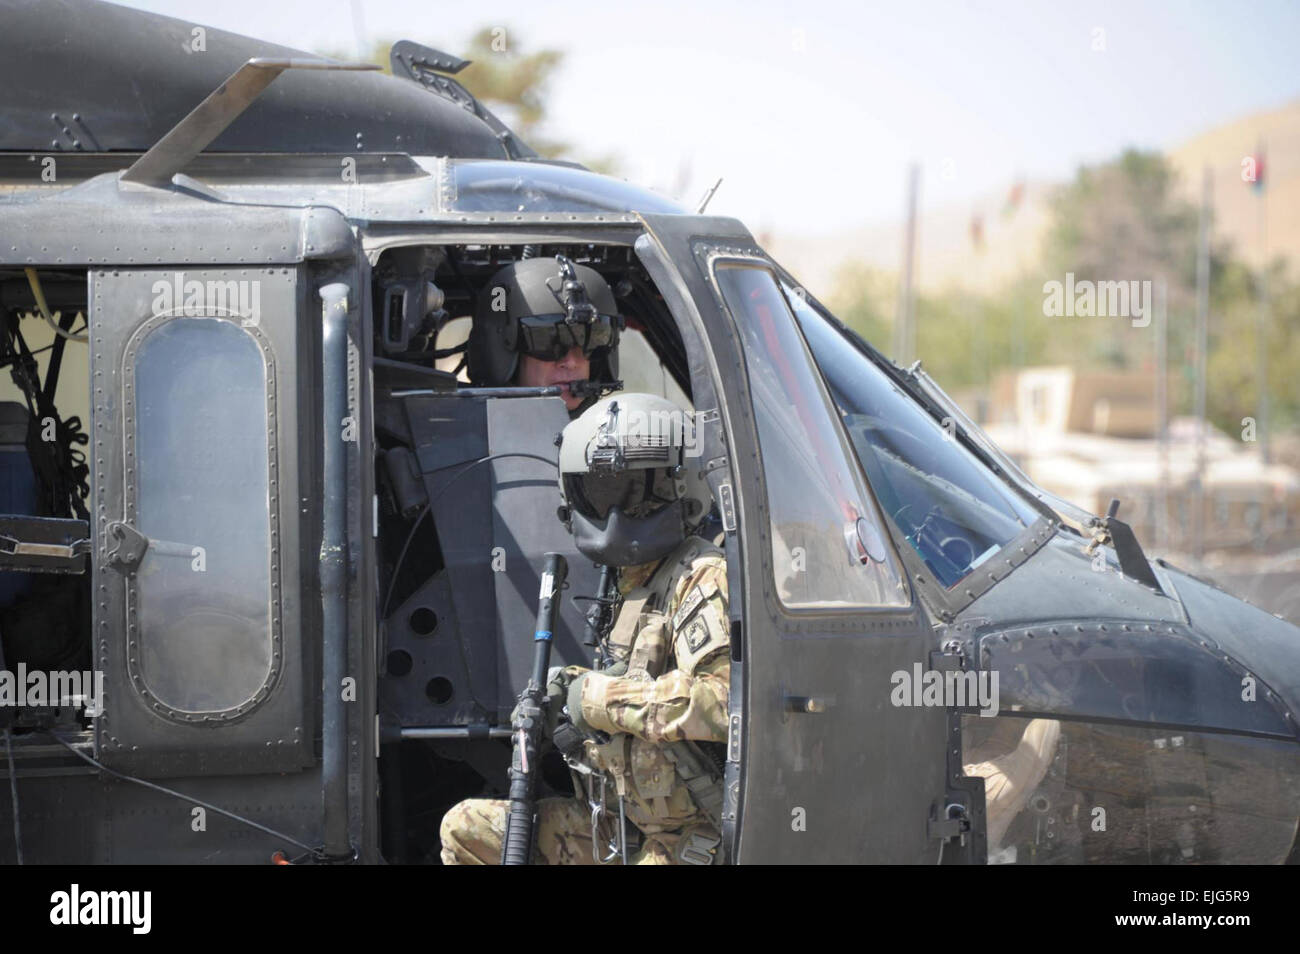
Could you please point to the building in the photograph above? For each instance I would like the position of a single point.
(1090, 437)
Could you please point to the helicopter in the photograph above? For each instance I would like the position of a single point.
(296, 552)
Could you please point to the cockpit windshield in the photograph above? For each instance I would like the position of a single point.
(492, 186)
(953, 511)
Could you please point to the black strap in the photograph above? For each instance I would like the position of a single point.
(59, 465)
(56, 357)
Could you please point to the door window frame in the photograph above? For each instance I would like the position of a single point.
(131, 490)
(831, 620)
(945, 603)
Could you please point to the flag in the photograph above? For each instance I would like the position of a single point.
(1014, 198)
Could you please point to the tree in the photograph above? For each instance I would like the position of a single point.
(503, 75)
(1116, 221)
(1233, 390)
(1123, 221)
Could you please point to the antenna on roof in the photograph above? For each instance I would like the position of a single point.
(704, 203)
(208, 120)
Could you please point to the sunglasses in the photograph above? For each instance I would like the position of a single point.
(550, 337)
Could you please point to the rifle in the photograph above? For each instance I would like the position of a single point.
(530, 723)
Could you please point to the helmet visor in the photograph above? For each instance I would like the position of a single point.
(551, 337)
(638, 492)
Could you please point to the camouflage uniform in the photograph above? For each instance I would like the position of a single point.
(672, 631)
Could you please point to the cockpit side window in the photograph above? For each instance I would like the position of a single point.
(952, 510)
(828, 545)
(643, 372)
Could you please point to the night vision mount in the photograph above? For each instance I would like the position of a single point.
(578, 308)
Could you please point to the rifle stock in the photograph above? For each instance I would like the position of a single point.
(530, 722)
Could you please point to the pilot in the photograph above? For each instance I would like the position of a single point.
(545, 321)
(644, 734)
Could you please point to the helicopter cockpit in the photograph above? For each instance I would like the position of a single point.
(467, 498)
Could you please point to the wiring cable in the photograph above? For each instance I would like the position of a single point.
(13, 794)
(34, 281)
(182, 796)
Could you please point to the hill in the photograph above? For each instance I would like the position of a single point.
(948, 258)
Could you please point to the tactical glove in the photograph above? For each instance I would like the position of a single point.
(575, 705)
(557, 692)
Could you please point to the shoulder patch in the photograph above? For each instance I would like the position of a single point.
(694, 599)
(696, 635)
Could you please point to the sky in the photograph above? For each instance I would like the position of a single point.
(811, 111)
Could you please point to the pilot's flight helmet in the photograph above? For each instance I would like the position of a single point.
(632, 479)
(543, 307)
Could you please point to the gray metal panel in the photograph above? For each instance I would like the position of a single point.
(1059, 582)
(89, 819)
(274, 732)
(468, 230)
(388, 192)
(102, 222)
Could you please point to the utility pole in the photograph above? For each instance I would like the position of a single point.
(904, 321)
(1202, 363)
(359, 32)
(1261, 317)
(1162, 415)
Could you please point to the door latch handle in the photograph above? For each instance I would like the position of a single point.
(125, 547)
(810, 705)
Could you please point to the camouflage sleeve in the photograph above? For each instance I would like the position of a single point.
(690, 701)
(673, 707)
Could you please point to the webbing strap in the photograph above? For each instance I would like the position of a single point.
(698, 775)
